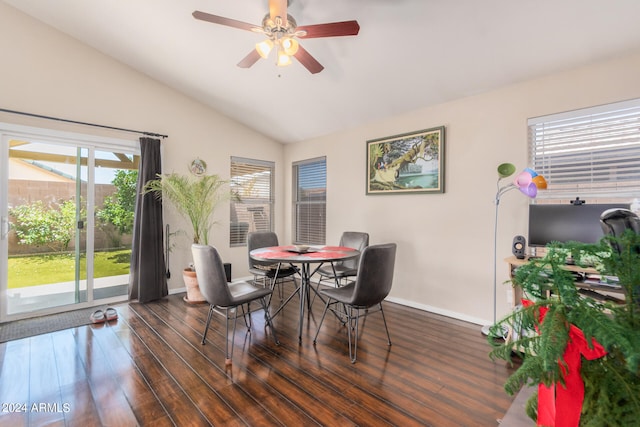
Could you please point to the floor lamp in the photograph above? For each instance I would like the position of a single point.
(528, 182)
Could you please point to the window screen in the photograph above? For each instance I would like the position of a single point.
(252, 181)
(310, 199)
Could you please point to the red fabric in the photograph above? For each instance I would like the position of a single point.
(327, 252)
(560, 405)
(276, 254)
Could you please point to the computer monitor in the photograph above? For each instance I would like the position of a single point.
(563, 223)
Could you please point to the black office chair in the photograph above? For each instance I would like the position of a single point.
(263, 269)
(615, 222)
(371, 287)
(218, 293)
(342, 270)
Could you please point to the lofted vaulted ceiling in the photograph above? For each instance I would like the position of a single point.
(408, 54)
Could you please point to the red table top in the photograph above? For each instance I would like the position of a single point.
(314, 254)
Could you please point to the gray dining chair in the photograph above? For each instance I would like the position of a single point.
(227, 296)
(339, 271)
(264, 270)
(371, 287)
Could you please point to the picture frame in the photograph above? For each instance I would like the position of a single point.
(198, 167)
(408, 163)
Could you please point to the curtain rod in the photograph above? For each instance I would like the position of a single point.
(82, 123)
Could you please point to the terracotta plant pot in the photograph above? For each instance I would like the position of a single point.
(194, 296)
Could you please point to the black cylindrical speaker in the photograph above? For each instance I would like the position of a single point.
(519, 247)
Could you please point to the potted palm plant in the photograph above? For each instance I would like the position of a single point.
(196, 198)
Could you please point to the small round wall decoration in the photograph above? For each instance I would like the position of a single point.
(198, 167)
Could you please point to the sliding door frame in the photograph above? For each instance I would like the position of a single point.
(92, 143)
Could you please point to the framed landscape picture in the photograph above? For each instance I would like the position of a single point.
(408, 163)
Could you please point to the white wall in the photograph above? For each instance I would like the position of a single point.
(46, 72)
(445, 241)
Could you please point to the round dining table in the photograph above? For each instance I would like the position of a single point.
(304, 257)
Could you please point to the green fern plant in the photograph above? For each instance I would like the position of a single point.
(612, 383)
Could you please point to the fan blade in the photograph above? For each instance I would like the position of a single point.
(332, 29)
(278, 8)
(308, 61)
(250, 59)
(223, 21)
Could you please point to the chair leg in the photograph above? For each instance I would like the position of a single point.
(277, 281)
(227, 360)
(351, 320)
(229, 355)
(385, 325)
(324, 313)
(337, 283)
(268, 321)
(280, 291)
(336, 279)
(247, 324)
(317, 289)
(244, 315)
(206, 328)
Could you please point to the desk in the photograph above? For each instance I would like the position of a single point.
(315, 254)
(595, 291)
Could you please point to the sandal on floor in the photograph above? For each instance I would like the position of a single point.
(98, 316)
(111, 314)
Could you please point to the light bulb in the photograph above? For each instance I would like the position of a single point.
(290, 46)
(283, 59)
(264, 47)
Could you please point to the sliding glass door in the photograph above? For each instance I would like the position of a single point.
(47, 202)
(67, 211)
(116, 177)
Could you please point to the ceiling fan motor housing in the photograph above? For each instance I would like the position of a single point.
(275, 29)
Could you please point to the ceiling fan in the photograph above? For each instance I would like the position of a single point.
(282, 31)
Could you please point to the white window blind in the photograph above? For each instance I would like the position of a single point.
(593, 152)
(252, 181)
(310, 201)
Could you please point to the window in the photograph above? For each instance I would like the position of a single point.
(589, 153)
(252, 181)
(310, 201)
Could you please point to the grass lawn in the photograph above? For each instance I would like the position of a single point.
(34, 270)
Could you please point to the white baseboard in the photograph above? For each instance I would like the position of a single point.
(423, 307)
(436, 310)
(174, 291)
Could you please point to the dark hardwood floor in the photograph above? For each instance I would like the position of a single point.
(149, 368)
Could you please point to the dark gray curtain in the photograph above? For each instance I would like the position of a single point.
(147, 279)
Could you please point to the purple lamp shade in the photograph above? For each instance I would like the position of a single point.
(530, 190)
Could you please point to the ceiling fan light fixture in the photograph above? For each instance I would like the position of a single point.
(283, 59)
(281, 32)
(290, 45)
(264, 48)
